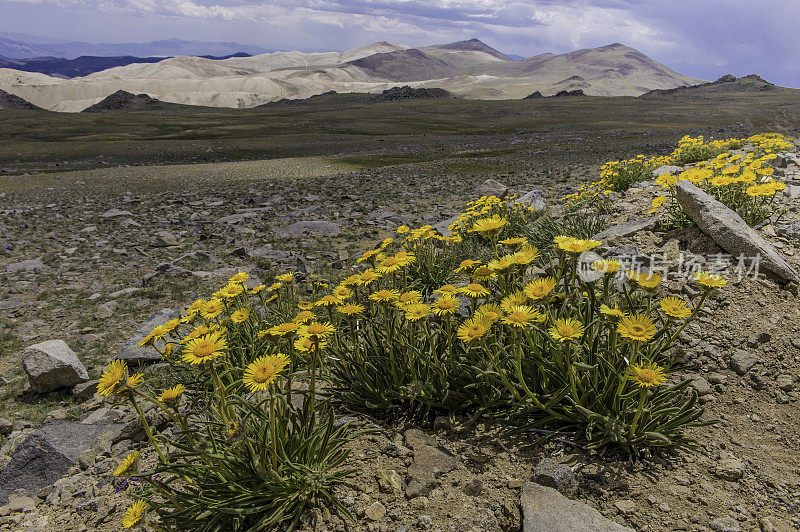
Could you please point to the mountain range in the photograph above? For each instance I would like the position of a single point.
(467, 69)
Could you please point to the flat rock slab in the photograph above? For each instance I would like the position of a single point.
(131, 352)
(51, 365)
(730, 231)
(298, 229)
(70, 438)
(25, 266)
(625, 229)
(430, 462)
(546, 510)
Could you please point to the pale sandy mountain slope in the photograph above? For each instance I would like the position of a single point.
(468, 69)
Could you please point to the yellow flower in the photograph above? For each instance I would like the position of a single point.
(521, 316)
(482, 274)
(212, 309)
(284, 329)
(171, 394)
(566, 330)
(612, 312)
(489, 312)
(403, 229)
(127, 464)
(540, 288)
(417, 311)
(512, 300)
(231, 291)
(303, 316)
(489, 226)
(646, 375)
(675, 307)
(608, 266)
(446, 305)
(385, 296)
(445, 290)
(638, 327)
(305, 305)
(205, 348)
(467, 265)
(658, 201)
(304, 344)
(514, 242)
(112, 376)
(577, 245)
(350, 310)
(260, 373)
(240, 315)
(649, 281)
(134, 513)
(709, 281)
(316, 330)
(134, 380)
(368, 277)
(407, 298)
(389, 265)
(342, 293)
(257, 289)
(475, 290)
(327, 301)
(285, 278)
(472, 329)
(240, 277)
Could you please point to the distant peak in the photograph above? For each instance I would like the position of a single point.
(475, 45)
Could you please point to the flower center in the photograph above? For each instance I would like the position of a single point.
(204, 348)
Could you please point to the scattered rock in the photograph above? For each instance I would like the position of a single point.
(25, 266)
(701, 385)
(729, 469)
(428, 465)
(492, 187)
(533, 199)
(743, 361)
(321, 227)
(625, 506)
(725, 524)
(375, 511)
(730, 232)
(625, 229)
(164, 239)
(131, 352)
(389, 481)
(5, 427)
(51, 365)
(546, 510)
(113, 213)
(552, 474)
(34, 465)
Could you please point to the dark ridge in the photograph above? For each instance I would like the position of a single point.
(405, 65)
(325, 97)
(408, 93)
(727, 83)
(12, 101)
(86, 64)
(474, 45)
(125, 101)
(576, 92)
(535, 95)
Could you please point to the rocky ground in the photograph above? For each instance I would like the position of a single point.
(87, 257)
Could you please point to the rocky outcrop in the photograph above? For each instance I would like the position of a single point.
(51, 365)
(731, 232)
(546, 510)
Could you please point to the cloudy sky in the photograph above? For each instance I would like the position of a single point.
(700, 38)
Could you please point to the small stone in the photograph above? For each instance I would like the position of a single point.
(389, 481)
(5, 427)
(85, 390)
(701, 385)
(474, 487)
(785, 382)
(420, 503)
(625, 506)
(725, 524)
(552, 474)
(375, 511)
(730, 469)
(743, 361)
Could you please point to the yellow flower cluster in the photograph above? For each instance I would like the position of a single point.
(487, 208)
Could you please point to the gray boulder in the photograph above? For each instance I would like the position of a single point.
(51, 365)
(534, 199)
(730, 232)
(625, 229)
(492, 187)
(131, 352)
(546, 510)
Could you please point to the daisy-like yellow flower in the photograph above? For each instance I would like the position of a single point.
(205, 348)
(171, 394)
(304, 316)
(514, 242)
(368, 277)
(417, 311)
(405, 258)
(403, 229)
(446, 305)
(675, 307)
(566, 330)
(500, 265)
(467, 265)
(646, 375)
(658, 201)
(472, 329)
(577, 245)
(611, 312)
(196, 307)
(513, 299)
(474, 290)
(342, 293)
(638, 327)
(351, 310)
(263, 371)
(134, 513)
(134, 380)
(212, 309)
(316, 330)
(285, 277)
(709, 281)
(368, 255)
(539, 288)
(327, 301)
(127, 465)
(257, 289)
(230, 291)
(489, 226)
(112, 377)
(489, 312)
(385, 296)
(240, 315)
(482, 274)
(525, 256)
(389, 265)
(446, 290)
(607, 266)
(240, 277)
(522, 316)
(305, 344)
(351, 280)
(648, 281)
(407, 298)
(284, 329)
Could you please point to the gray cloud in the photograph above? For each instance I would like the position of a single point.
(700, 38)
